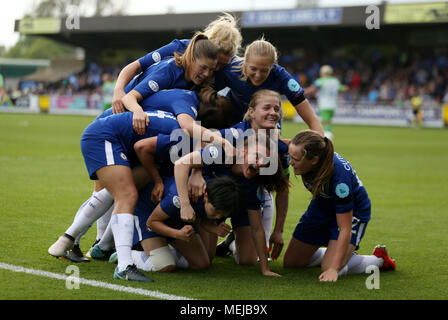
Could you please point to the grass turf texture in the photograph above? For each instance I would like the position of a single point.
(44, 181)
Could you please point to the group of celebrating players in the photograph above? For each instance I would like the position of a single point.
(193, 138)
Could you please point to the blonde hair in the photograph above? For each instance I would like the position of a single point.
(256, 97)
(260, 48)
(326, 70)
(224, 34)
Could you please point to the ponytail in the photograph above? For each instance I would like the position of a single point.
(314, 145)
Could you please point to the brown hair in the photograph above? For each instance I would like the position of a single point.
(199, 47)
(214, 111)
(276, 182)
(315, 145)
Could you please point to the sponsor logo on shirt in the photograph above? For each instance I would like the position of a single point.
(342, 190)
(293, 85)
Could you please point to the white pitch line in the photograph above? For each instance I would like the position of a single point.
(94, 283)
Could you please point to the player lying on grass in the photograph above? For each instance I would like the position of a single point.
(247, 168)
(160, 225)
(337, 215)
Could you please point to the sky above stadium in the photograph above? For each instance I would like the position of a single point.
(18, 8)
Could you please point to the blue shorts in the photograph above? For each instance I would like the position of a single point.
(98, 152)
(319, 234)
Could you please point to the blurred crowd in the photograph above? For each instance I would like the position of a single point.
(373, 76)
(377, 77)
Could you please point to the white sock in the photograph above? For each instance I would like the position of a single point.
(180, 260)
(83, 232)
(232, 248)
(122, 225)
(357, 264)
(317, 257)
(268, 215)
(107, 240)
(90, 211)
(102, 222)
(141, 260)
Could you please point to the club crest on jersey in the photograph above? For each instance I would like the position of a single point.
(293, 85)
(156, 57)
(342, 190)
(213, 152)
(153, 85)
(176, 202)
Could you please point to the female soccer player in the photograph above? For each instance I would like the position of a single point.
(222, 32)
(160, 224)
(259, 70)
(107, 147)
(246, 169)
(337, 215)
(184, 105)
(186, 70)
(263, 114)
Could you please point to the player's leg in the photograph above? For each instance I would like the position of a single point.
(119, 181)
(301, 254)
(159, 257)
(244, 250)
(194, 252)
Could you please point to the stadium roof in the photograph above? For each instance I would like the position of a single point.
(15, 68)
(320, 27)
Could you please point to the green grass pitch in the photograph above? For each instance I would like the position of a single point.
(43, 181)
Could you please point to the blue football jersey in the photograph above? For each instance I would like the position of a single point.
(344, 193)
(241, 91)
(163, 75)
(164, 52)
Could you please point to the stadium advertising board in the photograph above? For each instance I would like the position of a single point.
(297, 17)
(40, 26)
(416, 13)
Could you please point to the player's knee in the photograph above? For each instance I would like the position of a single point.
(247, 259)
(200, 265)
(162, 260)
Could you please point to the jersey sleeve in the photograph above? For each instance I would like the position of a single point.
(161, 78)
(289, 86)
(163, 52)
(343, 192)
(186, 104)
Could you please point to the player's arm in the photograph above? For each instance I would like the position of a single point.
(222, 229)
(146, 151)
(124, 77)
(182, 168)
(156, 223)
(258, 236)
(276, 241)
(140, 119)
(344, 221)
(307, 114)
